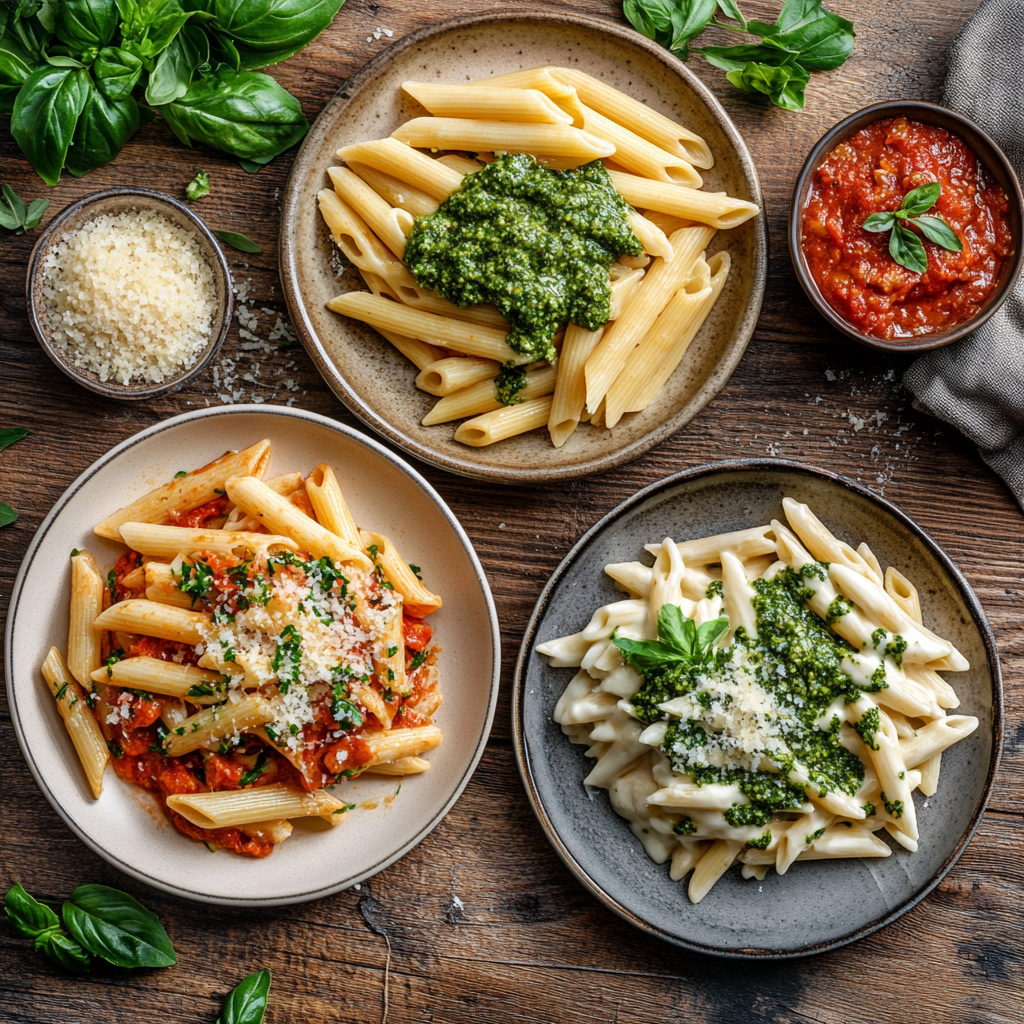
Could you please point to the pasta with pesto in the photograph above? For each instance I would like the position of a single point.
(759, 698)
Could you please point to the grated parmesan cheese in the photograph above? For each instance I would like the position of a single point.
(130, 296)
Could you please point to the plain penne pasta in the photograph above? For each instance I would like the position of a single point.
(505, 422)
(78, 720)
(483, 397)
(904, 593)
(641, 310)
(456, 372)
(462, 336)
(398, 744)
(354, 237)
(543, 80)
(390, 224)
(87, 589)
(710, 868)
(656, 128)
(419, 353)
(487, 103)
(188, 492)
(570, 386)
(678, 200)
(151, 619)
(463, 164)
(935, 737)
(154, 675)
(397, 193)
(503, 136)
(329, 504)
(401, 161)
(277, 514)
(652, 238)
(229, 808)
(163, 585)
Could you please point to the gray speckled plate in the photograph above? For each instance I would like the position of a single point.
(817, 905)
(371, 378)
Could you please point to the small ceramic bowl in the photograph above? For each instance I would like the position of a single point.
(995, 163)
(114, 201)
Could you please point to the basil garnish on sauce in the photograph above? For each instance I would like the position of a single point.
(904, 245)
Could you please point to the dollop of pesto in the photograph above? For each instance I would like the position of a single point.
(534, 242)
(795, 659)
(509, 384)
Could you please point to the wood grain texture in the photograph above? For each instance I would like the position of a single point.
(482, 921)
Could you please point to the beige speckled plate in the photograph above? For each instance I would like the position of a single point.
(126, 825)
(371, 378)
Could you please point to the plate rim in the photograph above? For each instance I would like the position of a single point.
(288, 256)
(520, 743)
(285, 412)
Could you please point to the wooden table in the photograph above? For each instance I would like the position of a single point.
(482, 921)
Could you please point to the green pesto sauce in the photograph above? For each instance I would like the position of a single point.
(868, 726)
(685, 827)
(509, 384)
(894, 807)
(536, 243)
(762, 842)
(836, 610)
(814, 835)
(714, 589)
(799, 660)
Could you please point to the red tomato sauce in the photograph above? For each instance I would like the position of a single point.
(871, 173)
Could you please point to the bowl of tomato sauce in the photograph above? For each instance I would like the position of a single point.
(914, 292)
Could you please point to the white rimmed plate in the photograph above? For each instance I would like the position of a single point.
(126, 825)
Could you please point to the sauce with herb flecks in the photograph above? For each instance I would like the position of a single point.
(871, 173)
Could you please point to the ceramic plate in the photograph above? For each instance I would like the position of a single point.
(817, 905)
(371, 378)
(126, 825)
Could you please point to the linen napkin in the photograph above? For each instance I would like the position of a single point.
(977, 383)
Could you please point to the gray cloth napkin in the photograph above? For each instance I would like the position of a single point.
(977, 383)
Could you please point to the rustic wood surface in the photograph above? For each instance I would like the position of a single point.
(482, 922)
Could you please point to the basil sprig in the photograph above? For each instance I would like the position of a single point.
(78, 77)
(15, 215)
(806, 37)
(682, 643)
(904, 245)
(247, 1002)
(8, 435)
(98, 922)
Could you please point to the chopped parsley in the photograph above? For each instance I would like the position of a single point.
(230, 654)
(60, 693)
(112, 585)
(203, 690)
(417, 659)
(415, 570)
(115, 657)
(250, 776)
(287, 657)
(117, 750)
(196, 579)
(181, 473)
(344, 711)
(392, 650)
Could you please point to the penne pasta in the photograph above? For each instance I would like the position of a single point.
(354, 237)
(570, 386)
(453, 373)
(87, 590)
(487, 103)
(505, 422)
(390, 224)
(244, 806)
(168, 541)
(330, 506)
(152, 619)
(679, 200)
(399, 744)
(483, 397)
(212, 725)
(416, 599)
(154, 675)
(397, 193)
(401, 161)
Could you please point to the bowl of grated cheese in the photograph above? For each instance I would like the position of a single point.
(129, 293)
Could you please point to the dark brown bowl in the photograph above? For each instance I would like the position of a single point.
(982, 146)
(115, 200)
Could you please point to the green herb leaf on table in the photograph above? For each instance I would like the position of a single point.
(177, 65)
(904, 246)
(237, 241)
(38, 922)
(116, 72)
(8, 435)
(247, 1002)
(269, 32)
(103, 128)
(112, 925)
(147, 27)
(84, 25)
(198, 187)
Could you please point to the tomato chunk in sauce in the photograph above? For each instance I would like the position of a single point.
(871, 173)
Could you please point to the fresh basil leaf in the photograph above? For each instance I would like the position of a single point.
(243, 243)
(268, 31)
(103, 129)
(250, 776)
(198, 187)
(250, 166)
(175, 67)
(918, 200)
(223, 49)
(689, 19)
(675, 630)
(709, 633)
(784, 85)
(244, 113)
(112, 925)
(116, 72)
(736, 58)
(247, 1002)
(59, 61)
(652, 18)
(647, 655)
(16, 211)
(45, 115)
(732, 10)
(10, 434)
(879, 222)
(27, 914)
(936, 230)
(823, 39)
(7, 514)
(36, 209)
(17, 62)
(82, 24)
(147, 27)
(907, 249)
(66, 952)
